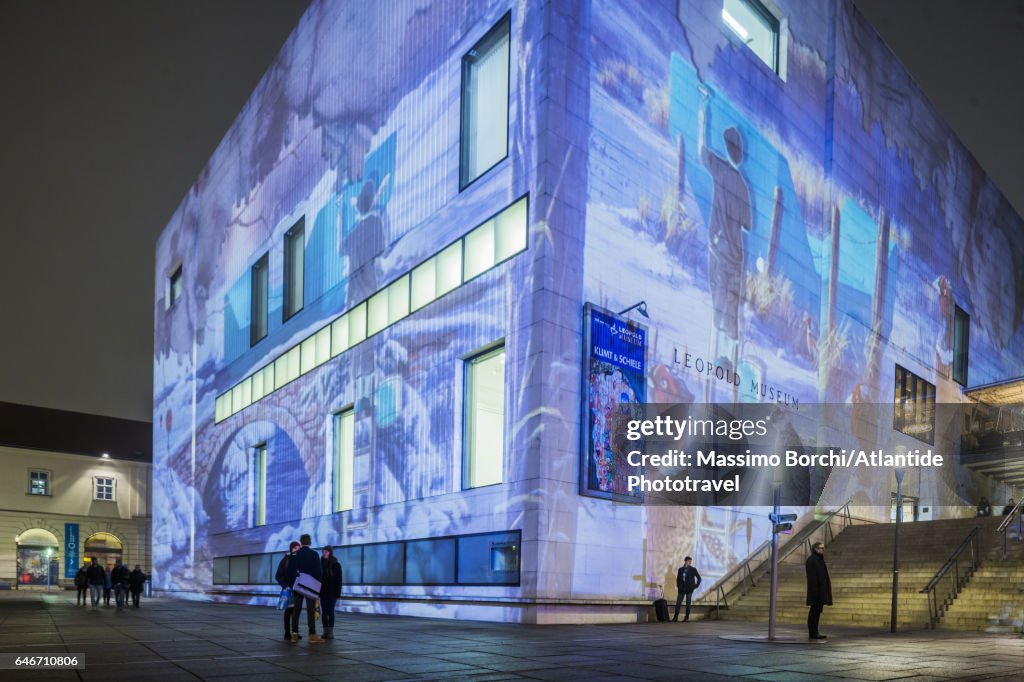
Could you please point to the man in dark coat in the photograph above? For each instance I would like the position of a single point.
(97, 578)
(819, 589)
(136, 584)
(308, 562)
(687, 580)
(282, 579)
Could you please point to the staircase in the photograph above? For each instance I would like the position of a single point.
(860, 566)
(994, 599)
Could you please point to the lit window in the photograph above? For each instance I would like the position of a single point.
(484, 447)
(449, 269)
(294, 258)
(484, 136)
(260, 299)
(424, 284)
(961, 343)
(914, 407)
(103, 488)
(39, 483)
(344, 449)
(174, 287)
(479, 250)
(756, 26)
(260, 485)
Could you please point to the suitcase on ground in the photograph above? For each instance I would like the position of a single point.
(661, 610)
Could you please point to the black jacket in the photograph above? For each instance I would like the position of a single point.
(121, 575)
(82, 577)
(687, 579)
(303, 561)
(819, 586)
(330, 583)
(136, 581)
(97, 576)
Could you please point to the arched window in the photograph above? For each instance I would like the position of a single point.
(37, 549)
(105, 548)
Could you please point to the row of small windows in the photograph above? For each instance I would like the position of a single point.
(476, 559)
(483, 460)
(488, 245)
(103, 487)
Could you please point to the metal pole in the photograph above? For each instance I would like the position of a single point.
(774, 593)
(896, 552)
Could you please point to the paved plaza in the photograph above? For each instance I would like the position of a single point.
(171, 640)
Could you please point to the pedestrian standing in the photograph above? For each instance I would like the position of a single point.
(306, 562)
(82, 584)
(136, 582)
(283, 580)
(687, 580)
(819, 589)
(330, 588)
(96, 580)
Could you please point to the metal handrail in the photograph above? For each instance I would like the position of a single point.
(744, 566)
(1004, 526)
(957, 581)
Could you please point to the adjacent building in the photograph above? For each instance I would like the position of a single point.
(75, 487)
(398, 309)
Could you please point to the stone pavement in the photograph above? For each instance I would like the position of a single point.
(171, 640)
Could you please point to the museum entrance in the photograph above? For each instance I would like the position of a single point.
(38, 560)
(106, 548)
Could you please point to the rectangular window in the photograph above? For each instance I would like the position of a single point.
(260, 299)
(914, 408)
(484, 134)
(344, 450)
(39, 483)
(961, 342)
(260, 485)
(756, 26)
(294, 259)
(484, 443)
(103, 488)
(174, 285)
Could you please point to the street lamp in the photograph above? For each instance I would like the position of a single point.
(640, 307)
(896, 549)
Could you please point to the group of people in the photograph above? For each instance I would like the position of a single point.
(324, 569)
(98, 580)
(985, 507)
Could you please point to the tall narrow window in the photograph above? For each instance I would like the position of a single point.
(961, 342)
(756, 26)
(344, 449)
(260, 299)
(914, 407)
(260, 485)
(39, 483)
(294, 256)
(484, 441)
(174, 287)
(484, 135)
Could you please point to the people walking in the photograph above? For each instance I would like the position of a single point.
(82, 584)
(136, 583)
(107, 585)
(819, 589)
(984, 507)
(282, 579)
(119, 579)
(97, 578)
(330, 588)
(687, 580)
(305, 562)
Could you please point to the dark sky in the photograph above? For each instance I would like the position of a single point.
(110, 109)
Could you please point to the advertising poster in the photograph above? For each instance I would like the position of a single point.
(614, 391)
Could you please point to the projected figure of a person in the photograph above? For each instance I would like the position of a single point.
(730, 214)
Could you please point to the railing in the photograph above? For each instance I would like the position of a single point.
(1005, 525)
(743, 577)
(958, 578)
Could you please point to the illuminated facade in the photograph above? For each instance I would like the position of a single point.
(370, 305)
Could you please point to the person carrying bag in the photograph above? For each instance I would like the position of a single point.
(284, 602)
(304, 575)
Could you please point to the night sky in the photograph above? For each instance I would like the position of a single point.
(110, 110)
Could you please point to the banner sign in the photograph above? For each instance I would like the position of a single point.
(614, 391)
(70, 550)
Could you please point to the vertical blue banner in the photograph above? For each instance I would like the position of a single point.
(70, 550)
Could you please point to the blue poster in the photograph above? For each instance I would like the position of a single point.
(615, 388)
(70, 550)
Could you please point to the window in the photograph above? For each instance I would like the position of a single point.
(484, 442)
(756, 26)
(260, 485)
(174, 285)
(294, 254)
(103, 488)
(344, 449)
(961, 342)
(260, 299)
(914, 408)
(39, 483)
(484, 135)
